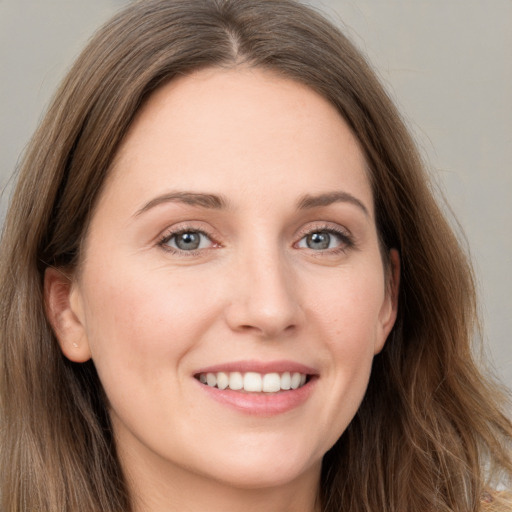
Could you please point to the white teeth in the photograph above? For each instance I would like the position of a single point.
(254, 382)
(286, 380)
(271, 383)
(295, 382)
(236, 381)
(222, 380)
(211, 379)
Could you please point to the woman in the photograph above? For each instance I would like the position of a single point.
(226, 284)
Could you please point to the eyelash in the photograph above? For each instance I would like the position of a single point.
(172, 233)
(346, 240)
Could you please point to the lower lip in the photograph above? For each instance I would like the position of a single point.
(261, 404)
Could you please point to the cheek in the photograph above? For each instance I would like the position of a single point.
(349, 316)
(141, 321)
(350, 309)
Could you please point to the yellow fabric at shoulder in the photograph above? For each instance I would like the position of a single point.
(497, 502)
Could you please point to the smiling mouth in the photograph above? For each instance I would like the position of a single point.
(253, 382)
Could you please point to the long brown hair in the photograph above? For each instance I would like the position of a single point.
(429, 425)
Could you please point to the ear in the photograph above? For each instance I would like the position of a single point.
(65, 315)
(388, 312)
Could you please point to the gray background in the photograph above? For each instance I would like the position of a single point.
(447, 64)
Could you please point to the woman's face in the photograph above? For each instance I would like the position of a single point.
(234, 244)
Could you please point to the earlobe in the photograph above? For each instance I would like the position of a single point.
(389, 309)
(64, 316)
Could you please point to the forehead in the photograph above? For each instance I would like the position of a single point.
(218, 130)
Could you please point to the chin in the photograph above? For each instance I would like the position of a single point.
(245, 475)
(263, 468)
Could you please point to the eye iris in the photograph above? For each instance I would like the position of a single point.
(188, 241)
(318, 240)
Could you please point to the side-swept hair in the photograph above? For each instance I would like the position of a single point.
(429, 424)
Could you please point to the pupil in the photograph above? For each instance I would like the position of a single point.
(188, 241)
(319, 240)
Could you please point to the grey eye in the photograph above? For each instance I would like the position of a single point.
(318, 241)
(189, 241)
(321, 241)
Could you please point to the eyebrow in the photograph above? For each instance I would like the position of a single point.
(210, 201)
(216, 202)
(315, 201)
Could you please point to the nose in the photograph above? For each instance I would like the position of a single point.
(263, 297)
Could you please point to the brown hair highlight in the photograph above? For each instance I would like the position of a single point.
(430, 434)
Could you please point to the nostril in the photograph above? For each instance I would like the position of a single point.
(268, 330)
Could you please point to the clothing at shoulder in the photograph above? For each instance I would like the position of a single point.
(497, 502)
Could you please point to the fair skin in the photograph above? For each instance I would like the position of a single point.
(234, 235)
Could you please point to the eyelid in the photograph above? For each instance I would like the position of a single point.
(181, 228)
(346, 237)
(312, 227)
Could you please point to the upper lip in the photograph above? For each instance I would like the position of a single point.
(262, 367)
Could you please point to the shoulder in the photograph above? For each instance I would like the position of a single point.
(496, 502)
